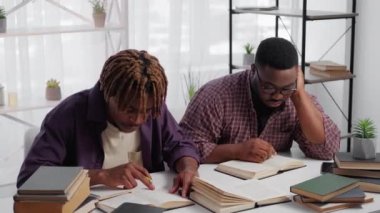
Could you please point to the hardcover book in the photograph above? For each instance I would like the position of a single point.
(221, 198)
(330, 207)
(329, 73)
(355, 195)
(324, 187)
(51, 180)
(54, 197)
(332, 168)
(345, 160)
(35, 206)
(251, 170)
(369, 184)
(136, 208)
(327, 65)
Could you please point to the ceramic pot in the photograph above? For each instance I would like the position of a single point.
(3, 25)
(364, 148)
(53, 93)
(99, 19)
(248, 59)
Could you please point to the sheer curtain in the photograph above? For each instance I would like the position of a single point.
(186, 36)
(192, 36)
(75, 59)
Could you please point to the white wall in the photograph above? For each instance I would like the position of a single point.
(367, 63)
(320, 36)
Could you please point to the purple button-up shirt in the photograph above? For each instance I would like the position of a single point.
(70, 135)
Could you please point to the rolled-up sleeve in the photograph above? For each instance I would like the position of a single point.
(331, 145)
(175, 145)
(203, 121)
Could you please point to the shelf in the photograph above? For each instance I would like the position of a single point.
(24, 105)
(246, 67)
(56, 30)
(346, 135)
(310, 14)
(309, 78)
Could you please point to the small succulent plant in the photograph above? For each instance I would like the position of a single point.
(365, 128)
(52, 83)
(248, 47)
(2, 13)
(98, 6)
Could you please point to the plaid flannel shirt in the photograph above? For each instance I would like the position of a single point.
(222, 112)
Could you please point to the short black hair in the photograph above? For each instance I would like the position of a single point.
(276, 52)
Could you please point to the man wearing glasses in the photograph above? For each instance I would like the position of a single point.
(251, 115)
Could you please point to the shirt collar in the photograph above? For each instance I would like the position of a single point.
(96, 108)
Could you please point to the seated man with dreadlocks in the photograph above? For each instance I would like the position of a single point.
(120, 130)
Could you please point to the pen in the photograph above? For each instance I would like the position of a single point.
(148, 178)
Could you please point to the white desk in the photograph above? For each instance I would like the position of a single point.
(281, 181)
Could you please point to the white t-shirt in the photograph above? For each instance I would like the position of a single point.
(120, 147)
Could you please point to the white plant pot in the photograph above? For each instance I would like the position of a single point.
(248, 59)
(99, 19)
(53, 94)
(3, 25)
(364, 148)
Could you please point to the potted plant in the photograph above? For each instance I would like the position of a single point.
(192, 84)
(53, 91)
(98, 12)
(249, 56)
(364, 143)
(3, 20)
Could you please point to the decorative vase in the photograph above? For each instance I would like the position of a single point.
(248, 59)
(99, 19)
(3, 25)
(53, 93)
(364, 148)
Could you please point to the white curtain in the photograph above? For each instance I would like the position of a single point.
(192, 36)
(75, 59)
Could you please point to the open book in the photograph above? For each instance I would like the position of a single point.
(102, 192)
(250, 170)
(158, 198)
(220, 197)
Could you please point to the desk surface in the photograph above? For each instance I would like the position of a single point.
(281, 182)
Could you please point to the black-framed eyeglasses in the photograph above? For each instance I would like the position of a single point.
(272, 89)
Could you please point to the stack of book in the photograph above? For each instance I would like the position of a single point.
(53, 189)
(329, 192)
(328, 69)
(366, 171)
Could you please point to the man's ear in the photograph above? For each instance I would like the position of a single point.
(253, 66)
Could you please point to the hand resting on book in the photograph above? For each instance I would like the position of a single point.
(255, 150)
(127, 175)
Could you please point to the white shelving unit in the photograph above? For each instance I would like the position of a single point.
(112, 44)
(306, 15)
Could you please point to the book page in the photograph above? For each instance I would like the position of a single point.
(102, 192)
(256, 190)
(284, 163)
(246, 170)
(158, 198)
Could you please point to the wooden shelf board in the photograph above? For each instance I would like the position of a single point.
(56, 30)
(310, 14)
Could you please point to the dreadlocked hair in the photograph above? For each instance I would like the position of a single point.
(131, 74)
